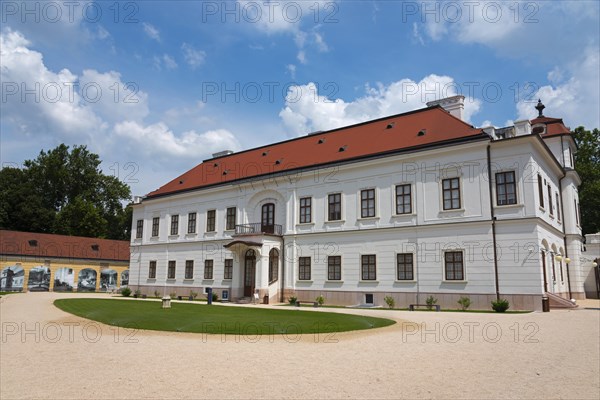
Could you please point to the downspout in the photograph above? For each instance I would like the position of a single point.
(282, 295)
(493, 219)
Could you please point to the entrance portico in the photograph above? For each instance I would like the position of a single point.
(257, 265)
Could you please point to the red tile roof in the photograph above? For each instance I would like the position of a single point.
(554, 126)
(385, 135)
(45, 245)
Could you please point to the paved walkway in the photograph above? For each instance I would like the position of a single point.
(46, 353)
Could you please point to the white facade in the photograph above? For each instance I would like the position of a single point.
(479, 248)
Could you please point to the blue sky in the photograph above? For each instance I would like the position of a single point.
(155, 87)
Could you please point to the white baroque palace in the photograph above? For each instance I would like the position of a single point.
(408, 206)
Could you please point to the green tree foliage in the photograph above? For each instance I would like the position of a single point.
(587, 165)
(64, 192)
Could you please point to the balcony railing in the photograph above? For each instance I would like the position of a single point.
(257, 228)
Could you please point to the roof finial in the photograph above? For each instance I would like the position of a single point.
(540, 107)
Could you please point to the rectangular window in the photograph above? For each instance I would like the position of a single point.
(152, 270)
(305, 210)
(208, 269)
(228, 273)
(334, 268)
(189, 269)
(404, 264)
(541, 190)
(192, 222)
(550, 205)
(174, 224)
(139, 229)
(334, 208)
(304, 268)
(155, 222)
(171, 270)
(368, 267)
(454, 266)
(451, 189)
(230, 220)
(367, 203)
(557, 207)
(506, 190)
(211, 217)
(576, 213)
(403, 199)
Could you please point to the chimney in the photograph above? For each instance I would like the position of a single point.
(523, 127)
(222, 153)
(455, 105)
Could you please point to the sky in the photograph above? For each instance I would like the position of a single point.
(156, 87)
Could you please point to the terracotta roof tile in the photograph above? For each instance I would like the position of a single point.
(389, 134)
(554, 126)
(45, 245)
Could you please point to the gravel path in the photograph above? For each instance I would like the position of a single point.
(48, 354)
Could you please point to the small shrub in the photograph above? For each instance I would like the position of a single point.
(292, 300)
(389, 300)
(215, 297)
(137, 293)
(156, 293)
(125, 292)
(464, 302)
(500, 305)
(193, 294)
(430, 302)
(320, 300)
(173, 295)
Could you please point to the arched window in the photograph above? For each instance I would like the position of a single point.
(273, 265)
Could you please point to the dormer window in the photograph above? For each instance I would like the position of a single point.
(539, 129)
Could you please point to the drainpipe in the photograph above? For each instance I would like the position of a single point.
(283, 263)
(493, 219)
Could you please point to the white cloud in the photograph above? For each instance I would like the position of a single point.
(119, 100)
(103, 111)
(169, 62)
(292, 70)
(540, 31)
(151, 31)
(575, 99)
(301, 56)
(55, 105)
(192, 56)
(158, 139)
(307, 111)
(320, 42)
(417, 35)
(286, 17)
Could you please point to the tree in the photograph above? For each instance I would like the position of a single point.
(65, 192)
(587, 165)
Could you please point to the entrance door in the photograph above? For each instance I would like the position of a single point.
(249, 273)
(268, 218)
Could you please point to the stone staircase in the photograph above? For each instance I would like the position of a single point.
(557, 302)
(243, 300)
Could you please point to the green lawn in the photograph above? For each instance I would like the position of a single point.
(216, 319)
(5, 293)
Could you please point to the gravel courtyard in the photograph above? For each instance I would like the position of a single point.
(48, 354)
